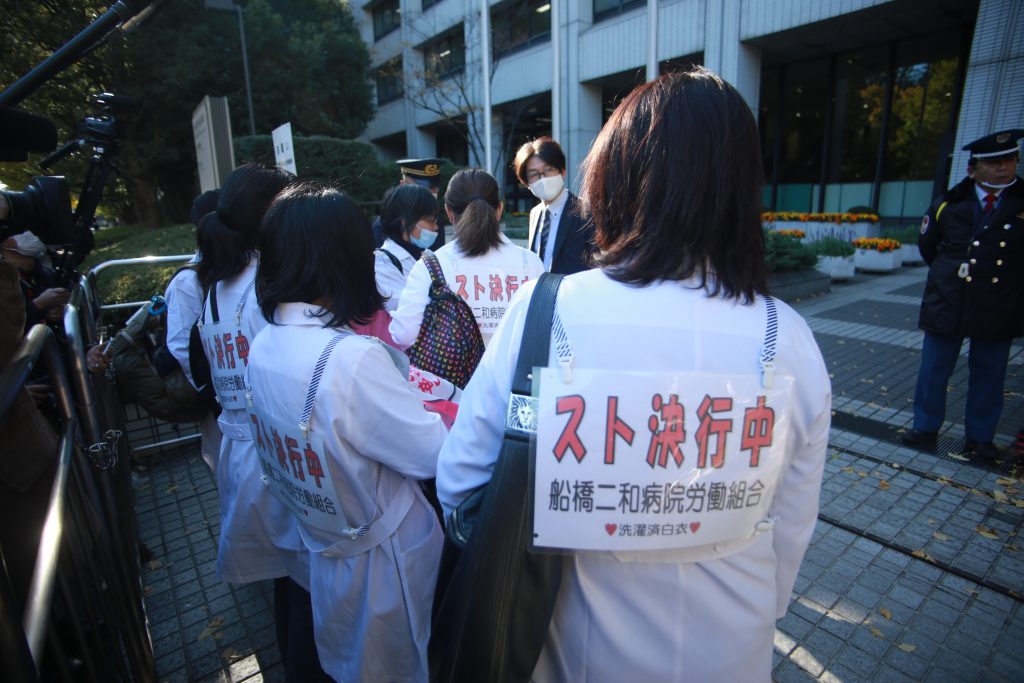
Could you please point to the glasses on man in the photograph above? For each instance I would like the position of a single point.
(546, 172)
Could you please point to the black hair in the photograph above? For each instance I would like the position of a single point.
(316, 246)
(227, 235)
(202, 205)
(472, 196)
(673, 185)
(402, 207)
(547, 149)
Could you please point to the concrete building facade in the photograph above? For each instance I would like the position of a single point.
(860, 103)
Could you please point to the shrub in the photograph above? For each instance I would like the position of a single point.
(833, 246)
(785, 253)
(908, 235)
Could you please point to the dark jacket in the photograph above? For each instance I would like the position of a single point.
(574, 239)
(958, 239)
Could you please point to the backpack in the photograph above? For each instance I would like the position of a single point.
(449, 343)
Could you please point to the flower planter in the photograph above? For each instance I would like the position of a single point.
(838, 268)
(873, 261)
(815, 230)
(911, 255)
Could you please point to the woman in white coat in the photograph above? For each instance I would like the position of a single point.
(672, 184)
(481, 265)
(259, 539)
(408, 217)
(363, 435)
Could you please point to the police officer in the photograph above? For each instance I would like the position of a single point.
(424, 172)
(973, 242)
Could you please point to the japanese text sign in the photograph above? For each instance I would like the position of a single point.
(295, 468)
(650, 461)
(227, 348)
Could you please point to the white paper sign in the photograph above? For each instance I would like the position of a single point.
(284, 154)
(227, 348)
(295, 469)
(649, 461)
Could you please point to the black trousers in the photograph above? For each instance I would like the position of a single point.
(293, 619)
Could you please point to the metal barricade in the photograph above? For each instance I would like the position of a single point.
(84, 618)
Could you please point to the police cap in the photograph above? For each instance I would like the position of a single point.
(996, 145)
(426, 172)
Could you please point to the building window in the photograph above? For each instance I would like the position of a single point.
(446, 56)
(427, 4)
(390, 85)
(519, 24)
(608, 8)
(386, 18)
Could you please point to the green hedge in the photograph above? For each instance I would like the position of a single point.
(784, 253)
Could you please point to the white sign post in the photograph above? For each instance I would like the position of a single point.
(284, 153)
(211, 131)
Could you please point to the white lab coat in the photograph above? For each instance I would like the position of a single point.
(259, 538)
(391, 280)
(184, 297)
(371, 610)
(687, 615)
(487, 283)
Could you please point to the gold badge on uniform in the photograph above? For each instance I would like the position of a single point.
(924, 224)
(431, 169)
(1002, 138)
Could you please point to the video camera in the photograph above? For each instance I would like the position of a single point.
(44, 206)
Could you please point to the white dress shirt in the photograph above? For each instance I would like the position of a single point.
(556, 209)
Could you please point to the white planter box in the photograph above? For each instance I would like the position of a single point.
(878, 261)
(911, 254)
(837, 267)
(815, 230)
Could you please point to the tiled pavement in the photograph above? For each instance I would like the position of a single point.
(914, 572)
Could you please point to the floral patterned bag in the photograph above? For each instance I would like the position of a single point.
(449, 342)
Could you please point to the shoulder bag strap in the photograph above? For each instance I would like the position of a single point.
(535, 346)
(395, 261)
(438, 286)
(214, 313)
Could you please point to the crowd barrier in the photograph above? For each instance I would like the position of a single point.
(84, 617)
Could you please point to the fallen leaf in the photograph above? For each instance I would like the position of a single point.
(932, 522)
(172, 488)
(939, 536)
(885, 612)
(876, 632)
(920, 554)
(1013, 547)
(907, 647)
(1000, 496)
(212, 629)
(1019, 502)
(1005, 482)
(884, 485)
(848, 470)
(862, 474)
(957, 456)
(943, 481)
(231, 655)
(986, 532)
(153, 565)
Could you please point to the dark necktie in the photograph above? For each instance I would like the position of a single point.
(545, 229)
(990, 201)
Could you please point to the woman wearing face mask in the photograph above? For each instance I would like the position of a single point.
(408, 218)
(481, 265)
(558, 233)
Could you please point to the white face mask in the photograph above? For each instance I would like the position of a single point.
(546, 189)
(999, 187)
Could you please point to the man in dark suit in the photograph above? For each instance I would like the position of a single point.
(973, 241)
(558, 233)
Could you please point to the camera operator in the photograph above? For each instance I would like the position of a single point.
(44, 302)
(28, 454)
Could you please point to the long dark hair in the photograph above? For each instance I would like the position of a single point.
(472, 196)
(402, 207)
(227, 235)
(315, 244)
(673, 185)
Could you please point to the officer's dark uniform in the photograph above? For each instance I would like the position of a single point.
(975, 289)
(425, 172)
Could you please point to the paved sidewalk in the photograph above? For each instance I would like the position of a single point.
(915, 571)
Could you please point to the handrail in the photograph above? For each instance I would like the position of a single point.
(97, 269)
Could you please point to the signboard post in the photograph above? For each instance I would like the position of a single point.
(284, 154)
(211, 131)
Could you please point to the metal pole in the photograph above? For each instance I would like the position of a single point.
(245, 67)
(485, 58)
(556, 73)
(652, 39)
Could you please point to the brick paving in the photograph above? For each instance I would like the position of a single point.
(914, 571)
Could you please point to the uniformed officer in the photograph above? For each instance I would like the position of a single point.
(424, 172)
(973, 242)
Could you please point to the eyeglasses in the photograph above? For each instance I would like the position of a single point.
(548, 172)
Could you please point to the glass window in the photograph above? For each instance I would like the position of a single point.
(386, 18)
(805, 90)
(427, 4)
(861, 79)
(446, 56)
(608, 8)
(390, 85)
(519, 24)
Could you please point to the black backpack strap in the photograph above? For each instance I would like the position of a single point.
(394, 260)
(214, 313)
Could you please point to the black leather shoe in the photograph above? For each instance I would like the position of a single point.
(986, 450)
(919, 439)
